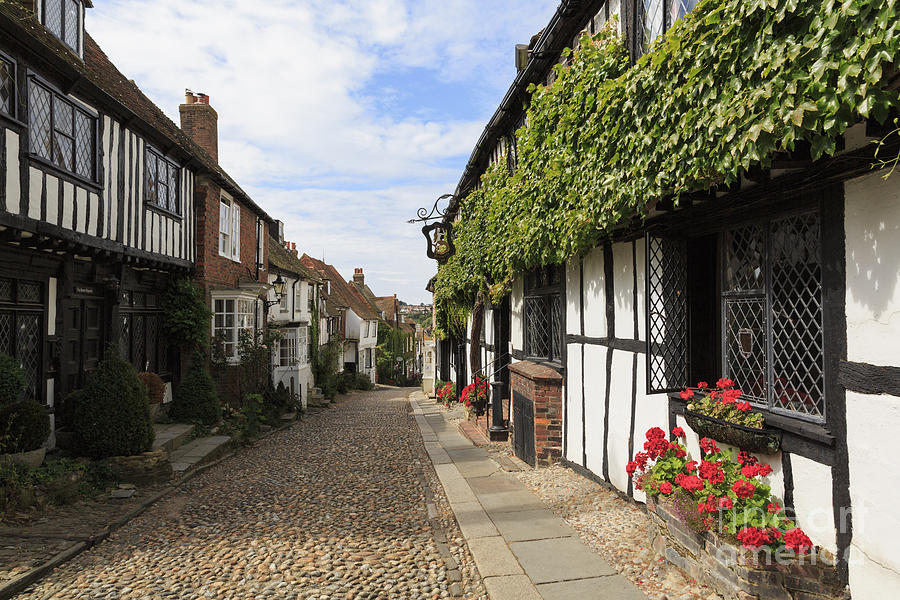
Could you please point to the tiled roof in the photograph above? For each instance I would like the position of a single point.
(284, 260)
(342, 293)
(98, 72)
(387, 304)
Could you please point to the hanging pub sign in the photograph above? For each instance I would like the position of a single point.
(439, 235)
(440, 241)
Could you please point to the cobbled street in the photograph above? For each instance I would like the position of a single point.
(334, 507)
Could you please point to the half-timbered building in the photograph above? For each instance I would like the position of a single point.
(788, 283)
(96, 203)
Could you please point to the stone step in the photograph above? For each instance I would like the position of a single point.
(198, 452)
(171, 436)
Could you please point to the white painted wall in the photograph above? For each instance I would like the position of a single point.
(517, 298)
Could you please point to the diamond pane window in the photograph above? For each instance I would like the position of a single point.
(40, 120)
(656, 17)
(772, 319)
(544, 314)
(61, 132)
(53, 17)
(667, 314)
(162, 182)
(7, 87)
(70, 18)
(21, 333)
(29, 292)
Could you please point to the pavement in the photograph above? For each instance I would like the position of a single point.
(342, 504)
(522, 550)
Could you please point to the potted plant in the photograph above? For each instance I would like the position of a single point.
(475, 396)
(719, 414)
(24, 424)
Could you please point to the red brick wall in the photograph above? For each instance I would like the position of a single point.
(215, 271)
(543, 386)
(201, 123)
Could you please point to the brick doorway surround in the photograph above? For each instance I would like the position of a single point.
(543, 387)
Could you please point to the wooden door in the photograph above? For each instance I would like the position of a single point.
(83, 325)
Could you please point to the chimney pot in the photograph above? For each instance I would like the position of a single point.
(200, 122)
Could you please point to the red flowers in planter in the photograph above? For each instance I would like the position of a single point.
(723, 483)
(474, 393)
(678, 432)
(722, 403)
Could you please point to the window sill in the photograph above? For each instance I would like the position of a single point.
(162, 210)
(63, 173)
(788, 426)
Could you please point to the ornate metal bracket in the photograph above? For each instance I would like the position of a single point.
(439, 234)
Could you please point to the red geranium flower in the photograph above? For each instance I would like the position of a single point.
(773, 507)
(797, 541)
(630, 468)
(656, 447)
(690, 466)
(665, 487)
(743, 489)
(678, 432)
(655, 433)
(745, 458)
(707, 507)
(687, 394)
(702, 385)
(743, 406)
(691, 483)
(751, 537)
(641, 459)
(724, 384)
(708, 446)
(711, 472)
(725, 503)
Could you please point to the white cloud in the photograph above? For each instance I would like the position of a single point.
(301, 88)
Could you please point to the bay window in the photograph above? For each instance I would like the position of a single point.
(287, 348)
(231, 316)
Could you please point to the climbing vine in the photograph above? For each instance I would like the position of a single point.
(729, 85)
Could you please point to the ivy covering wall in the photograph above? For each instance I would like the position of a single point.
(730, 84)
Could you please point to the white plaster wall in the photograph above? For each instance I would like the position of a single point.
(595, 405)
(351, 325)
(873, 443)
(517, 295)
(619, 417)
(641, 268)
(651, 410)
(812, 501)
(594, 295)
(573, 296)
(13, 185)
(623, 286)
(572, 409)
(872, 228)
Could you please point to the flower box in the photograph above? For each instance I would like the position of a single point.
(763, 441)
(739, 573)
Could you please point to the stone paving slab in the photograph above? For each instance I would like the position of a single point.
(473, 521)
(531, 525)
(493, 557)
(559, 559)
(597, 588)
(170, 436)
(513, 587)
(198, 451)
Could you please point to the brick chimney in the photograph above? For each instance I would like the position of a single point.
(200, 122)
(359, 279)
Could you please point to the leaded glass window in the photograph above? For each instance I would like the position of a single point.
(7, 87)
(667, 313)
(655, 17)
(62, 133)
(142, 338)
(772, 314)
(63, 19)
(162, 182)
(21, 332)
(544, 314)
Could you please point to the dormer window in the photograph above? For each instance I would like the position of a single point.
(64, 19)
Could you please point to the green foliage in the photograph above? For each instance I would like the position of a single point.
(391, 342)
(256, 353)
(57, 481)
(111, 414)
(186, 315)
(24, 426)
(276, 402)
(324, 366)
(730, 84)
(12, 379)
(196, 399)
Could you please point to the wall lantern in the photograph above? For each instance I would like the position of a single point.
(439, 235)
(279, 285)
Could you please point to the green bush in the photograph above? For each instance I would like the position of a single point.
(196, 399)
(111, 414)
(24, 426)
(187, 315)
(363, 382)
(12, 379)
(342, 384)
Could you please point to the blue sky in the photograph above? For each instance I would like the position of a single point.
(340, 117)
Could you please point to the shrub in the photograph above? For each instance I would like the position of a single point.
(24, 426)
(12, 379)
(156, 387)
(362, 382)
(111, 414)
(187, 315)
(251, 414)
(196, 400)
(342, 386)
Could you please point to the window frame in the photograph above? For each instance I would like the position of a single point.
(233, 219)
(77, 108)
(554, 292)
(14, 99)
(79, 43)
(17, 308)
(170, 164)
(129, 311)
(288, 349)
(233, 338)
(303, 341)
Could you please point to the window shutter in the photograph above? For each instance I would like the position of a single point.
(236, 232)
(667, 314)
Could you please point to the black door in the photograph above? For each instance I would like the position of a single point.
(501, 346)
(82, 348)
(444, 357)
(523, 428)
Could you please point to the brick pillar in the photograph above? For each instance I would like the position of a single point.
(543, 386)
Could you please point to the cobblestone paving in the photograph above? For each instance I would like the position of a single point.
(334, 507)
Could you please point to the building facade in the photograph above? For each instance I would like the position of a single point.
(785, 282)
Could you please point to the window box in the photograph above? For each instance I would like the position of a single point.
(763, 441)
